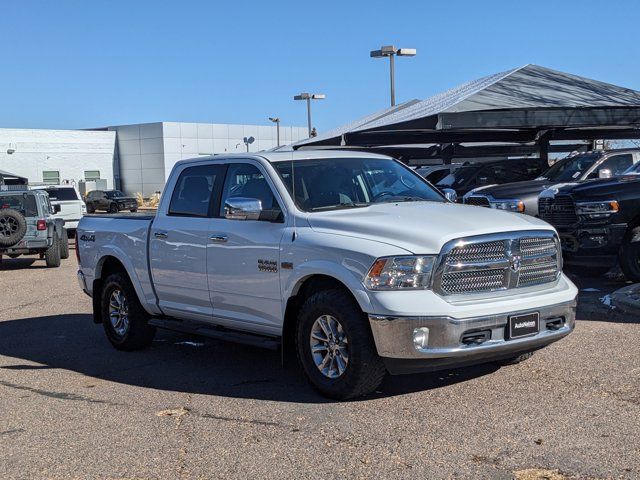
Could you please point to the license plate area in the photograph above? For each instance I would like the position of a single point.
(524, 325)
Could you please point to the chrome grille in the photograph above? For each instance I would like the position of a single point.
(481, 201)
(559, 210)
(491, 263)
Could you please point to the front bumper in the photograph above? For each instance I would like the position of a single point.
(446, 347)
(592, 245)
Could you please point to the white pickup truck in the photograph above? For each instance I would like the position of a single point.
(349, 259)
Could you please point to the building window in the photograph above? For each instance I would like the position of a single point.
(91, 175)
(51, 177)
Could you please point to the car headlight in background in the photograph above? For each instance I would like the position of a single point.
(514, 205)
(597, 209)
(400, 273)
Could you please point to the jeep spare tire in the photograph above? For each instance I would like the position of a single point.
(13, 227)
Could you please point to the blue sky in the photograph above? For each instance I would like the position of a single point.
(77, 64)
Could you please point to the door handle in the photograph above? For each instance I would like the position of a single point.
(218, 238)
(160, 235)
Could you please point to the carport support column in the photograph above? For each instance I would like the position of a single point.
(543, 149)
(447, 153)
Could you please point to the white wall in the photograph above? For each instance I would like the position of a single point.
(71, 152)
(149, 151)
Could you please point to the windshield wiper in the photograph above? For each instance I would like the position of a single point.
(340, 206)
(404, 199)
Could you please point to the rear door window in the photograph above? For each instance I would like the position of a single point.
(192, 195)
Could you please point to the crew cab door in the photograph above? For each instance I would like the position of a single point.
(179, 240)
(243, 260)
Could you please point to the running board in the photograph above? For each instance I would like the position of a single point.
(212, 331)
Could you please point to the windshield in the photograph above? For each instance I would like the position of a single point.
(633, 170)
(333, 183)
(571, 168)
(22, 202)
(61, 194)
(459, 177)
(114, 194)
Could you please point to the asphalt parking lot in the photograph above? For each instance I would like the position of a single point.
(73, 407)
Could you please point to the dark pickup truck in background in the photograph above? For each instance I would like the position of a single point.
(473, 175)
(523, 196)
(598, 222)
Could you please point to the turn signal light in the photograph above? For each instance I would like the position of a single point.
(41, 225)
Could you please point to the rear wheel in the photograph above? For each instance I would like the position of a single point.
(64, 245)
(90, 208)
(125, 322)
(335, 346)
(630, 255)
(52, 255)
(113, 208)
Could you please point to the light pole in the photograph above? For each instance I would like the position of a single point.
(276, 120)
(391, 51)
(308, 97)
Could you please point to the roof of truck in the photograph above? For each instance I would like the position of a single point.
(275, 157)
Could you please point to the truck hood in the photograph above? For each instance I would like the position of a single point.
(420, 227)
(602, 187)
(515, 189)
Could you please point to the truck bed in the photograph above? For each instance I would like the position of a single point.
(124, 237)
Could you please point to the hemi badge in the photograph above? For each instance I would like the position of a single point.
(286, 265)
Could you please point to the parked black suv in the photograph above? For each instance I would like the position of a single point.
(111, 201)
(474, 175)
(523, 196)
(598, 222)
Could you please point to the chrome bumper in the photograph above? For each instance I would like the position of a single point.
(394, 335)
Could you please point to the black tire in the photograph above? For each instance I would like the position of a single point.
(90, 208)
(113, 208)
(13, 227)
(630, 255)
(133, 210)
(52, 255)
(139, 333)
(515, 360)
(364, 371)
(64, 245)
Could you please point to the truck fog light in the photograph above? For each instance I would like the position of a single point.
(420, 337)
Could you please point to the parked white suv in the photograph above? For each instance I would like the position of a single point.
(72, 207)
(351, 260)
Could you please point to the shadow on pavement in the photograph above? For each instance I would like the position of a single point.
(177, 362)
(20, 263)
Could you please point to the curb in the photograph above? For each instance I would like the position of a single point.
(627, 299)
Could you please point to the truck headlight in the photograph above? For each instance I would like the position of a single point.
(400, 273)
(514, 205)
(597, 209)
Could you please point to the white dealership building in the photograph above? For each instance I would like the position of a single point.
(136, 158)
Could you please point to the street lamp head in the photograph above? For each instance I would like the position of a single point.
(318, 96)
(274, 119)
(407, 52)
(302, 96)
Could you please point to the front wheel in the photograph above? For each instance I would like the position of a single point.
(335, 346)
(125, 322)
(64, 245)
(630, 255)
(113, 208)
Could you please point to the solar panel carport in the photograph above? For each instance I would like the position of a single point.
(518, 112)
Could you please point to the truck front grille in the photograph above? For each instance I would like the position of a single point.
(481, 201)
(492, 263)
(558, 211)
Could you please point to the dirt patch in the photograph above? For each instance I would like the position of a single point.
(538, 474)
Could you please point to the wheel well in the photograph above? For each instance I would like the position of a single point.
(107, 266)
(305, 288)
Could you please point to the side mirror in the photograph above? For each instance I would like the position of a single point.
(241, 208)
(56, 209)
(450, 194)
(604, 173)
